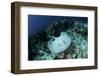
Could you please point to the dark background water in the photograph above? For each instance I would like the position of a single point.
(39, 22)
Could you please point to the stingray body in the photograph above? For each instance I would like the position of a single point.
(59, 44)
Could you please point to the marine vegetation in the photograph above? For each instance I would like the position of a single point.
(76, 36)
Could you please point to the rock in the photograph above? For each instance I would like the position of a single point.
(68, 56)
(60, 56)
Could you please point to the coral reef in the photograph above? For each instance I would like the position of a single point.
(37, 43)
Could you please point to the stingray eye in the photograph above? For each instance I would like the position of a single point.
(53, 39)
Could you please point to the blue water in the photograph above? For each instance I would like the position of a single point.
(37, 22)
